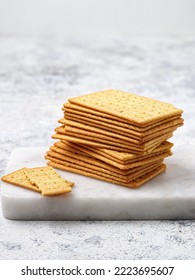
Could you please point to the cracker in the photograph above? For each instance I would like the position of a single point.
(101, 139)
(113, 125)
(140, 161)
(44, 180)
(77, 134)
(107, 135)
(101, 144)
(123, 168)
(115, 155)
(70, 125)
(133, 184)
(90, 128)
(129, 157)
(19, 178)
(121, 157)
(94, 163)
(134, 108)
(40, 173)
(71, 157)
(48, 181)
(66, 148)
(92, 143)
(133, 173)
(103, 117)
(119, 129)
(97, 137)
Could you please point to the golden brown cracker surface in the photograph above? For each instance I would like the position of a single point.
(94, 163)
(132, 174)
(103, 135)
(104, 117)
(124, 128)
(73, 139)
(19, 178)
(121, 157)
(44, 180)
(133, 184)
(76, 127)
(120, 164)
(99, 141)
(133, 108)
(48, 181)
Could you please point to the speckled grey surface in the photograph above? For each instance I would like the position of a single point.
(36, 78)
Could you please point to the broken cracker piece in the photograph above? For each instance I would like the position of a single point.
(44, 180)
(48, 180)
(19, 178)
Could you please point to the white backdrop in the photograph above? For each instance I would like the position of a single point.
(94, 19)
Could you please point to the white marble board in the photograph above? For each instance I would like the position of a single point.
(171, 195)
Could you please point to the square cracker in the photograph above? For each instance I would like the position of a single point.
(115, 123)
(73, 139)
(20, 179)
(71, 126)
(44, 180)
(136, 109)
(121, 157)
(75, 110)
(80, 129)
(99, 141)
(96, 164)
(122, 166)
(96, 124)
(124, 157)
(48, 181)
(117, 149)
(133, 184)
(135, 173)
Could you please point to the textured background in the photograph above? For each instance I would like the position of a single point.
(36, 78)
(97, 19)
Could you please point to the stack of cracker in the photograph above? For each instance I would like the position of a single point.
(115, 136)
